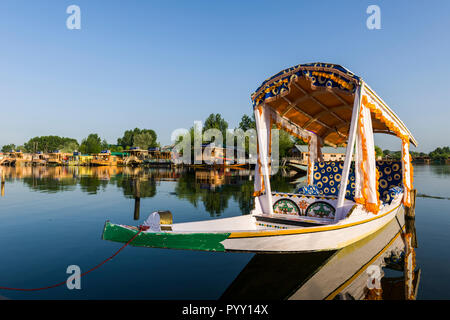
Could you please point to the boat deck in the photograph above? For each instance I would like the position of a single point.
(251, 223)
(292, 221)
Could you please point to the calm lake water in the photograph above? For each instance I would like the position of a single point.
(51, 218)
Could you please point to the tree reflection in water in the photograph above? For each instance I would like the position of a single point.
(213, 188)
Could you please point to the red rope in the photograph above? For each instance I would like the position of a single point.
(84, 273)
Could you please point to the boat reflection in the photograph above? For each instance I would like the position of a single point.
(381, 266)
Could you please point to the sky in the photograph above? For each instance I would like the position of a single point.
(162, 65)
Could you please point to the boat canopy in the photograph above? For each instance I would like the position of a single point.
(319, 97)
(323, 103)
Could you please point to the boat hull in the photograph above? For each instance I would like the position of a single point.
(316, 238)
(189, 241)
(322, 238)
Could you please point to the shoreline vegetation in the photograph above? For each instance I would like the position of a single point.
(147, 139)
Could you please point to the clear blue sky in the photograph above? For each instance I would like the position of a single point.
(164, 64)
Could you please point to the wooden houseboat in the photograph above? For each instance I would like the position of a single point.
(135, 156)
(105, 158)
(158, 156)
(39, 159)
(15, 158)
(55, 158)
(74, 159)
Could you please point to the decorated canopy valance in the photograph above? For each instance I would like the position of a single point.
(319, 97)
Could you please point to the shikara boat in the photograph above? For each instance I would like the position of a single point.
(343, 201)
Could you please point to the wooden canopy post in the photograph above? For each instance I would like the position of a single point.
(410, 212)
(349, 152)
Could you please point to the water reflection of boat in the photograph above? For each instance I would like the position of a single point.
(320, 104)
(358, 271)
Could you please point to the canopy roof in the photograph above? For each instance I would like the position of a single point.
(319, 97)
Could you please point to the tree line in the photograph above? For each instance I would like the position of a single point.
(147, 138)
(216, 121)
(93, 143)
(440, 153)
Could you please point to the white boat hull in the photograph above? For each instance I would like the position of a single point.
(253, 233)
(314, 238)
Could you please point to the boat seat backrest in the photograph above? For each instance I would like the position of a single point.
(390, 176)
(327, 177)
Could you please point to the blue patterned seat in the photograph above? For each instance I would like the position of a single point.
(392, 193)
(310, 190)
(327, 178)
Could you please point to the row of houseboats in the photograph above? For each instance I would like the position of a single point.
(131, 157)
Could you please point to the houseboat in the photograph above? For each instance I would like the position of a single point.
(158, 156)
(15, 158)
(74, 159)
(55, 158)
(135, 156)
(39, 159)
(105, 158)
(343, 202)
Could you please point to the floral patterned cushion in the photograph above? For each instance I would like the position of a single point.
(311, 190)
(393, 192)
(327, 177)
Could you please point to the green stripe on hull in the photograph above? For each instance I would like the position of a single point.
(190, 241)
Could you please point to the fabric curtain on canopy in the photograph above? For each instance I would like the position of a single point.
(366, 174)
(407, 173)
(315, 155)
(262, 194)
(376, 106)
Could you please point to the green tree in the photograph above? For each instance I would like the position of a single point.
(70, 146)
(285, 142)
(51, 143)
(215, 121)
(115, 148)
(440, 153)
(143, 140)
(378, 151)
(128, 139)
(104, 145)
(247, 122)
(8, 147)
(91, 144)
